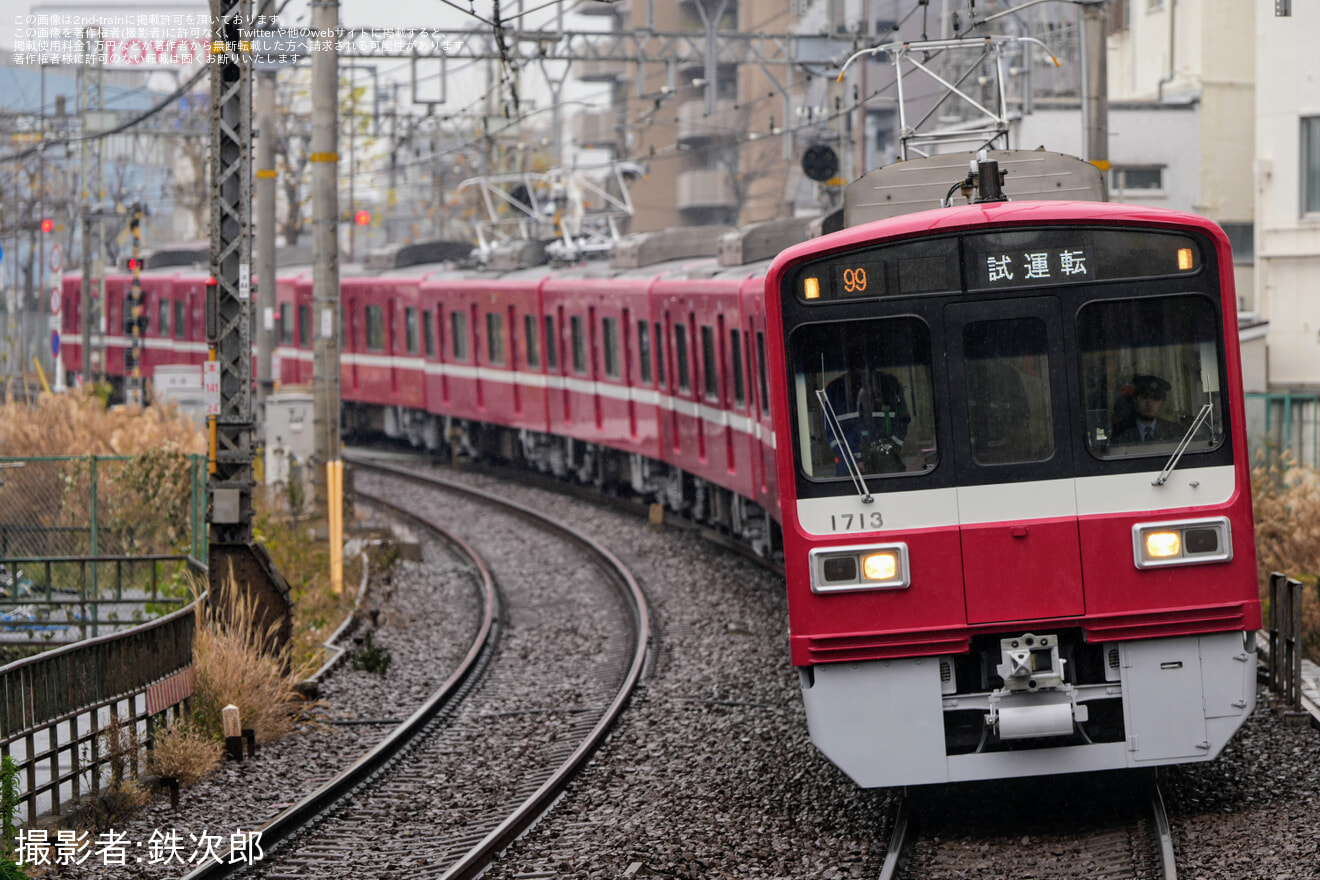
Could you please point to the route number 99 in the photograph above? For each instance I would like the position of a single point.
(854, 280)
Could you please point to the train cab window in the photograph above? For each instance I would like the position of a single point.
(1009, 416)
(410, 329)
(180, 319)
(428, 333)
(304, 326)
(610, 337)
(660, 356)
(681, 358)
(284, 323)
(533, 341)
(458, 334)
(579, 344)
(864, 398)
(551, 345)
(375, 329)
(495, 337)
(163, 318)
(761, 370)
(1150, 372)
(644, 350)
(739, 389)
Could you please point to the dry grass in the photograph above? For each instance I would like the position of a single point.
(1286, 498)
(75, 424)
(305, 564)
(185, 752)
(233, 668)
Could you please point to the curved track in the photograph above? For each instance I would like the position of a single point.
(440, 770)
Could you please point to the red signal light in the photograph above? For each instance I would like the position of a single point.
(48, 225)
(362, 218)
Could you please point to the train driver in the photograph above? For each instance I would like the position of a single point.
(873, 414)
(1145, 424)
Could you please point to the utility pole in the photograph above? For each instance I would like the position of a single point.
(325, 247)
(90, 95)
(236, 562)
(1095, 84)
(265, 236)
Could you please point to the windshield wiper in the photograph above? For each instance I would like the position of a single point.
(832, 422)
(1182, 446)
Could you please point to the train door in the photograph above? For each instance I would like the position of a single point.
(593, 366)
(513, 360)
(625, 331)
(391, 315)
(1013, 452)
(477, 355)
(350, 344)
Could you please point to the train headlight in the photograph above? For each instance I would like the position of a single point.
(1186, 542)
(864, 567)
(880, 566)
(1162, 545)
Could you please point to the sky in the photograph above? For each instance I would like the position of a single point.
(434, 14)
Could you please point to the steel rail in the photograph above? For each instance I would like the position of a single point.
(1164, 835)
(901, 838)
(480, 856)
(303, 813)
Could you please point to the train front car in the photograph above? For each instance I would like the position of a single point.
(1015, 490)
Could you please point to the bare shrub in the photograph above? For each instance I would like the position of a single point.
(184, 752)
(235, 666)
(1286, 498)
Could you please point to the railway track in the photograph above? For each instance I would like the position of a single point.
(1118, 833)
(562, 645)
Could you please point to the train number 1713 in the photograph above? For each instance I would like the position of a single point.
(856, 522)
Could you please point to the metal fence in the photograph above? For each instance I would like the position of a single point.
(89, 544)
(1285, 637)
(1284, 422)
(71, 714)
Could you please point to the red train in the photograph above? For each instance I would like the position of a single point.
(1002, 445)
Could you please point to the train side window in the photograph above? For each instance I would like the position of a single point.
(681, 358)
(304, 326)
(739, 384)
(551, 344)
(180, 319)
(428, 333)
(660, 356)
(410, 329)
(375, 329)
(533, 341)
(610, 332)
(163, 318)
(284, 323)
(495, 337)
(1009, 411)
(458, 336)
(1149, 367)
(579, 344)
(760, 364)
(710, 363)
(644, 350)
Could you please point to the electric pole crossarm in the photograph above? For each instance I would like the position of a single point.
(646, 47)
